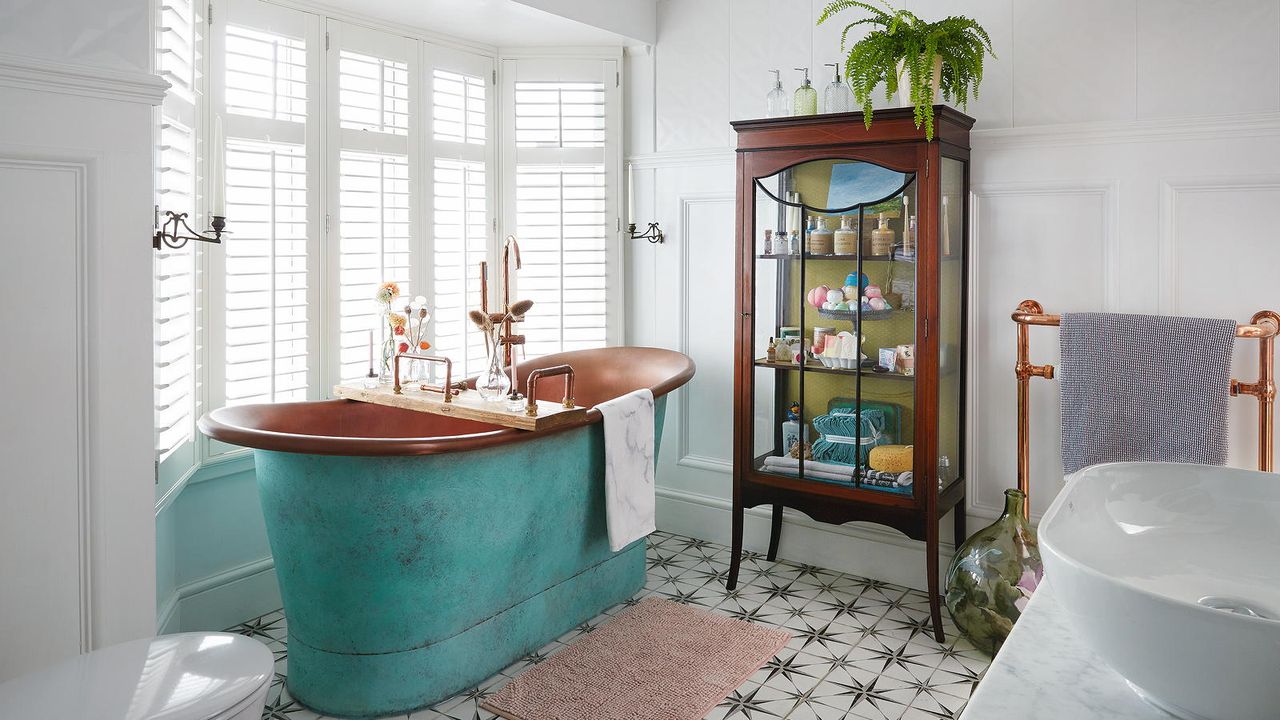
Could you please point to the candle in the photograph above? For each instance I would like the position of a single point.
(631, 194)
(217, 173)
(370, 352)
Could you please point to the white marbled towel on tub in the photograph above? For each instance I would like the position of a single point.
(1144, 388)
(629, 494)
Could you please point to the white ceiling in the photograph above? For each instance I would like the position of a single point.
(504, 23)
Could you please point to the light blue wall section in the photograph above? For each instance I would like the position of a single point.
(213, 563)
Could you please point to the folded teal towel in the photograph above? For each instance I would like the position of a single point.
(841, 441)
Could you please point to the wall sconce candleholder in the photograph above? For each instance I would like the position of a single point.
(170, 235)
(654, 234)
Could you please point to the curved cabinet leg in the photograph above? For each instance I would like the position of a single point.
(735, 557)
(775, 532)
(935, 594)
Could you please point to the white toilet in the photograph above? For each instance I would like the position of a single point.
(189, 676)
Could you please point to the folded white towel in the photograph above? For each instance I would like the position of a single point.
(628, 467)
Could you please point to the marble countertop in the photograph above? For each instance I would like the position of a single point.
(1044, 671)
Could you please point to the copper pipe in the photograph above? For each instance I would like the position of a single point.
(1264, 326)
(531, 407)
(1265, 388)
(447, 389)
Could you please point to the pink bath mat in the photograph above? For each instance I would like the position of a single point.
(659, 660)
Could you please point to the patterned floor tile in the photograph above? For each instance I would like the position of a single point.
(860, 649)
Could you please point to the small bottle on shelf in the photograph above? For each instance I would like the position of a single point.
(776, 104)
(768, 242)
(780, 243)
(883, 237)
(772, 354)
(821, 238)
(845, 240)
(806, 98)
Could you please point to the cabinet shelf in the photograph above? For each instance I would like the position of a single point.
(811, 257)
(813, 366)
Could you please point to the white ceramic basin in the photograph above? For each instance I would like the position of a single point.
(1142, 555)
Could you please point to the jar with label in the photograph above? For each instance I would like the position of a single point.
(781, 244)
(845, 240)
(821, 239)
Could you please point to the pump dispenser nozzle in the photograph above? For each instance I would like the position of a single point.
(776, 104)
(837, 98)
(806, 98)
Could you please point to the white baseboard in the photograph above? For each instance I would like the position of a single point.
(223, 600)
(863, 549)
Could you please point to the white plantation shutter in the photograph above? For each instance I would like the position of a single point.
(373, 240)
(373, 248)
(462, 241)
(265, 286)
(266, 273)
(462, 202)
(178, 61)
(563, 140)
(562, 223)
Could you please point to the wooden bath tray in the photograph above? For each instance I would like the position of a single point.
(467, 405)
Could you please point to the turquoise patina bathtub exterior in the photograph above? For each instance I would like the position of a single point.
(408, 578)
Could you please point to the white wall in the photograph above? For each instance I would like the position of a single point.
(1124, 160)
(77, 534)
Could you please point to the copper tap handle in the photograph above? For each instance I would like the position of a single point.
(531, 406)
(447, 389)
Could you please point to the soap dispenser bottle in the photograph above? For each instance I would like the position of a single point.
(837, 98)
(776, 104)
(806, 98)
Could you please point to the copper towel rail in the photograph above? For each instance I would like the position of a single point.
(1264, 326)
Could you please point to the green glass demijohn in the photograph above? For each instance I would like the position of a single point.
(993, 576)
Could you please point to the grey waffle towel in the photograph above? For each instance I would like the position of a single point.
(1144, 388)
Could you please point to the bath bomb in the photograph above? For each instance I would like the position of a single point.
(878, 303)
(842, 306)
(828, 306)
(859, 279)
(818, 295)
(850, 291)
(835, 296)
(873, 291)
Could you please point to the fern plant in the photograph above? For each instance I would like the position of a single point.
(901, 39)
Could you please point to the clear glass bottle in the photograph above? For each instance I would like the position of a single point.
(845, 240)
(837, 98)
(780, 243)
(776, 104)
(806, 98)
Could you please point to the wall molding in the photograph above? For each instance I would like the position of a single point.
(221, 600)
(80, 171)
(1167, 239)
(1108, 191)
(1198, 128)
(683, 158)
(42, 75)
(685, 203)
(1217, 127)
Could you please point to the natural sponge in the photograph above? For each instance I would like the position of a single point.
(890, 458)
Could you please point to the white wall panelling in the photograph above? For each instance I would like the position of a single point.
(45, 597)
(1134, 175)
(79, 460)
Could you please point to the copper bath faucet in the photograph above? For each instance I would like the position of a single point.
(1264, 326)
(448, 389)
(531, 406)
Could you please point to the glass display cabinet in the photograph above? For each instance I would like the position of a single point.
(852, 247)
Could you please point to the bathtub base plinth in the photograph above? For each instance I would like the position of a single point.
(395, 683)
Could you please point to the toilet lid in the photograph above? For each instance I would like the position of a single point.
(189, 676)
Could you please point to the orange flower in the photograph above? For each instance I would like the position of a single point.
(424, 345)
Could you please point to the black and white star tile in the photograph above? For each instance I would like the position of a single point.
(860, 649)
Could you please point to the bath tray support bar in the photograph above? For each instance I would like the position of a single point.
(1264, 326)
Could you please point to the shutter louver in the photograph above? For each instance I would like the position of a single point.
(373, 94)
(174, 326)
(266, 75)
(560, 114)
(266, 272)
(374, 247)
(560, 215)
(458, 108)
(461, 243)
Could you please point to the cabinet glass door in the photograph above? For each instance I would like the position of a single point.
(952, 247)
(834, 316)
